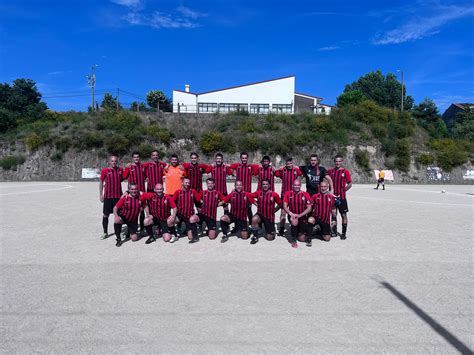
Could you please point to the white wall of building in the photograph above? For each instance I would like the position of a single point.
(279, 91)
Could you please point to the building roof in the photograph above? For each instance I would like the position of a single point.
(311, 96)
(235, 87)
(463, 106)
(332, 106)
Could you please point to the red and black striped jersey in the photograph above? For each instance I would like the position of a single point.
(135, 174)
(266, 203)
(244, 173)
(239, 202)
(266, 173)
(323, 205)
(297, 202)
(154, 173)
(194, 173)
(210, 201)
(129, 207)
(160, 206)
(219, 174)
(340, 178)
(112, 177)
(287, 176)
(185, 200)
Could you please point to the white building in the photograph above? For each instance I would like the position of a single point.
(275, 95)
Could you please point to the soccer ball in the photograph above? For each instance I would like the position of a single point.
(443, 191)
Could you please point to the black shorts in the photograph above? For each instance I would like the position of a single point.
(131, 226)
(240, 225)
(109, 204)
(342, 207)
(381, 180)
(181, 218)
(210, 223)
(325, 227)
(162, 225)
(269, 225)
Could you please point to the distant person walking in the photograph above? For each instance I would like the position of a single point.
(381, 179)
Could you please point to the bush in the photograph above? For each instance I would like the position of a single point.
(158, 134)
(211, 142)
(145, 150)
(117, 144)
(89, 140)
(57, 156)
(402, 161)
(379, 130)
(389, 146)
(33, 141)
(63, 143)
(362, 159)
(248, 126)
(449, 153)
(248, 144)
(425, 159)
(11, 162)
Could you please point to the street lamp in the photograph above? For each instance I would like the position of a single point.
(91, 83)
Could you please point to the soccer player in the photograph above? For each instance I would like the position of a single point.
(314, 174)
(288, 174)
(126, 211)
(324, 212)
(154, 171)
(135, 174)
(185, 198)
(268, 203)
(243, 172)
(240, 201)
(342, 182)
(110, 190)
(381, 179)
(174, 173)
(297, 205)
(219, 171)
(194, 171)
(266, 171)
(161, 212)
(209, 199)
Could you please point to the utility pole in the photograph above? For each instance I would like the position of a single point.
(118, 96)
(403, 92)
(91, 83)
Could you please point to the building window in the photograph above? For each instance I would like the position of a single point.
(232, 107)
(259, 108)
(207, 107)
(281, 108)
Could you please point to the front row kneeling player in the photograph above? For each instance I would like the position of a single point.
(126, 211)
(297, 204)
(324, 213)
(240, 201)
(160, 211)
(268, 203)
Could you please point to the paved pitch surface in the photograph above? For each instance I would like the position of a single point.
(401, 283)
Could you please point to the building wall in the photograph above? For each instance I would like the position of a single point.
(185, 101)
(304, 104)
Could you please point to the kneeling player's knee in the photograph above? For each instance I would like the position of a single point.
(301, 237)
(225, 219)
(270, 237)
(148, 221)
(193, 219)
(134, 237)
(311, 220)
(255, 220)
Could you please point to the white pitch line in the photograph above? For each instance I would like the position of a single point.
(62, 187)
(412, 201)
(431, 191)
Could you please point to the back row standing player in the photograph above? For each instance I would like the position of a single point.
(110, 190)
(314, 175)
(342, 182)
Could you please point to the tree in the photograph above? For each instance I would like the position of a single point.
(352, 97)
(157, 98)
(109, 103)
(137, 106)
(427, 115)
(384, 90)
(464, 125)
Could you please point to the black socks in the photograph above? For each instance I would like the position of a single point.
(105, 223)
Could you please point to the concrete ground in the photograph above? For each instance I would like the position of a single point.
(401, 283)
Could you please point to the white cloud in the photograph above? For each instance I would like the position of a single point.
(328, 48)
(419, 27)
(128, 3)
(187, 12)
(159, 20)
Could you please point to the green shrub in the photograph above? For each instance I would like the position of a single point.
(57, 156)
(402, 160)
(362, 159)
(389, 147)
(63, 143)
(449, 153)
(158, 134)
(425, 159)
(247, 126)
(117, 144)
(248, 143)
(33, 141)
(379, 130)
(89, 140)
(145, 150)
(211, 142)
(11, 162)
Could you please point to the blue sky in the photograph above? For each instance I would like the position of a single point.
(145, 44)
